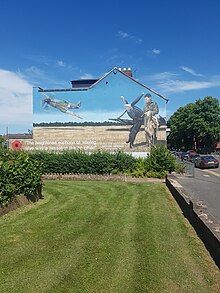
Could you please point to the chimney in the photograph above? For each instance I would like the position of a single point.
(126, 71)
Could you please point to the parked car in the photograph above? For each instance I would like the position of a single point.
(206, 161)
(193, 157)
(183, 156)
(191, 154)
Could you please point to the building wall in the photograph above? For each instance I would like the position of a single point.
(98, 104)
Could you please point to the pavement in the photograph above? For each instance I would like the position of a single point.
(204, 187)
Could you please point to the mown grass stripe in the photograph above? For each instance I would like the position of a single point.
(103, 237)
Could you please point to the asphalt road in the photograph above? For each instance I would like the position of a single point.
(204, 186)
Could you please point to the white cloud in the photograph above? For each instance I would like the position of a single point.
(125, 35)
(183, 85)
(190, 70)
(86, 76)
(156, 51)
(169, 82)
(162, 76)
(15, 99)
(61, 63)
(35, 71)
(46, 60)
(138, 41)
(39, 77)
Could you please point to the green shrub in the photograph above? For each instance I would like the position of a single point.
(19, 174)
(161, 159)
(140, 169)
(124, 162)
(180, 167)
(154, 174)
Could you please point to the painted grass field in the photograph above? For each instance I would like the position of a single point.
(90, 138)
(103, 237)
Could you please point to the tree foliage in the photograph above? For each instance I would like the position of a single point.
(1, 141)
(196, 125)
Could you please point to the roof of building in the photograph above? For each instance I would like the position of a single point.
(218, 145)
(83, 83)
(91, 83)
(162, 121)
(18, 136)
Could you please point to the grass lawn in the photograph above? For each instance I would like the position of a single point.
(103, 237)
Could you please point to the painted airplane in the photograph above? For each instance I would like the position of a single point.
(61, 105)
(133, 111)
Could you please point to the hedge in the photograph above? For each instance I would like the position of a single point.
(19, 174)
(80, 162)
(101, 162)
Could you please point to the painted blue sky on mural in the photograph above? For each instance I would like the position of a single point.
(101, 102)
(171, 46)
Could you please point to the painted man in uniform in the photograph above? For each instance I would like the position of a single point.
(150, 110)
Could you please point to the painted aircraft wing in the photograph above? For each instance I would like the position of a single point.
(124, 100)
(75, 106)
(61, 104)
(66, 103)
(124, 121)
(137, 100)
(73, 114)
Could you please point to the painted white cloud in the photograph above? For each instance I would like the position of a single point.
(95, 116)
(190, 70)
(15, 99)
(164, 112)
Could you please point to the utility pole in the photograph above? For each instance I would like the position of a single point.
(7, 138)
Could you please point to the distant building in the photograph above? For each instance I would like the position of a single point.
(217, 149)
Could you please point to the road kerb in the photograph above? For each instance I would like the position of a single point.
(198, 215)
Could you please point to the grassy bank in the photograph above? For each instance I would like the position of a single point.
(103, 237)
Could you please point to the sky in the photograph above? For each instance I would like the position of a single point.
(171, 46)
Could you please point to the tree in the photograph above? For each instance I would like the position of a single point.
(1, 141)
(196, 125)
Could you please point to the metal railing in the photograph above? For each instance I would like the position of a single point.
(189, 168)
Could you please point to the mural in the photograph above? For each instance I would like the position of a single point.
(114, 100)
(140, 117)
(63, 106)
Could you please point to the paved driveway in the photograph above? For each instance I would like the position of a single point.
(204, 186)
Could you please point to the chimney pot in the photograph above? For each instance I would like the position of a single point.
(127, 71)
